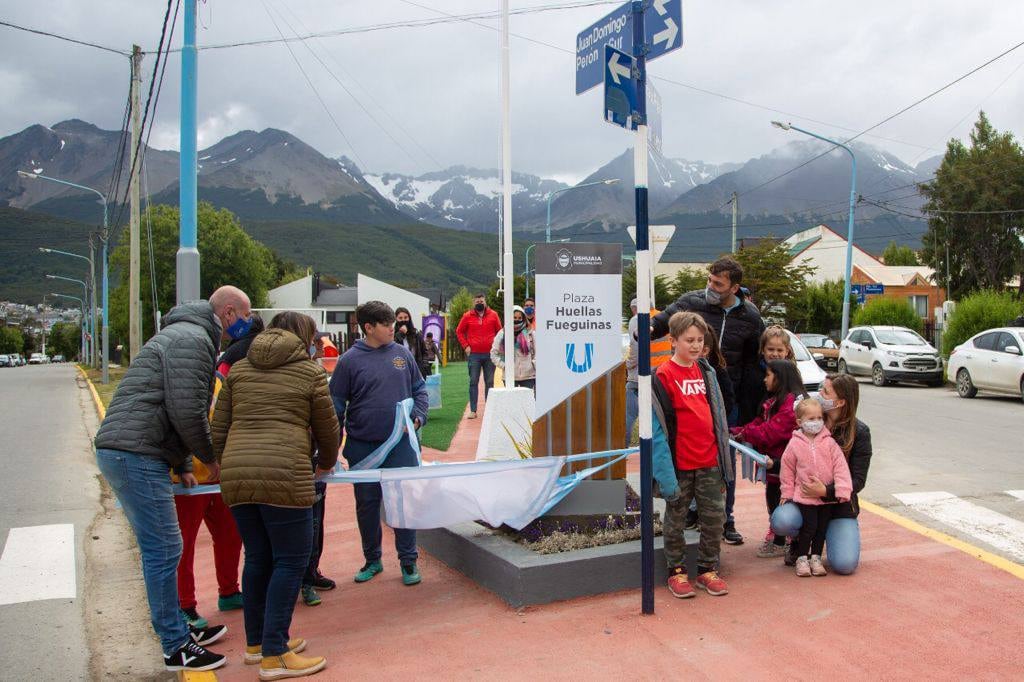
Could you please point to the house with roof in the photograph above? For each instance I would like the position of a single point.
(825, 249)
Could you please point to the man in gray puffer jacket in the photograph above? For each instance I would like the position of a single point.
(157, 419)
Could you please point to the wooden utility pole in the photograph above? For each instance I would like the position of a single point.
(134, 317)
(735, 215)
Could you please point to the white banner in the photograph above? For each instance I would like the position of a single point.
(579, 318)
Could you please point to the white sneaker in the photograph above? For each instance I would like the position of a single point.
(472, 415)
(817, 568)
(803, 567)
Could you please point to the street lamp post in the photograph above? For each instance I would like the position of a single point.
(82, 304)
(849, 225)
(104, 238)
(551, 195)
(526, 272)
(92, 292)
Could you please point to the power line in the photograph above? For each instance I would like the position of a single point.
(886, 206)
(67, 39)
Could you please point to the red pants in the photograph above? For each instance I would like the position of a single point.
(227, 544)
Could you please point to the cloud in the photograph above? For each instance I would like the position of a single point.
(435, 89)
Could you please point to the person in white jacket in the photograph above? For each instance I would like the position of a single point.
(525, 371)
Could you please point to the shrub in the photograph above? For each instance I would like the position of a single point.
(888, 311)
(977, 312)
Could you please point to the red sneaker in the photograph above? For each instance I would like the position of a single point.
(678, 584)
(714, 585)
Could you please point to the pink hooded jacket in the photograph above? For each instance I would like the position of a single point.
(821, 457)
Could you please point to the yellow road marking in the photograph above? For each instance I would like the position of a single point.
(100, 410)
(999, 562)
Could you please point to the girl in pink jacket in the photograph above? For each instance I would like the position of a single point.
(813, 454)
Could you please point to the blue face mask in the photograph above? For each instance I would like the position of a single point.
(240, 327)
(528, 310)
(312, 350)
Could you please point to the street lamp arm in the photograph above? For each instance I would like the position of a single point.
(26, 174)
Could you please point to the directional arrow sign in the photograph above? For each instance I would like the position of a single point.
(663, 33)
(620, 89)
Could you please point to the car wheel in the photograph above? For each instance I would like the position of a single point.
(878, 375)
(964, 386)
(842, 367)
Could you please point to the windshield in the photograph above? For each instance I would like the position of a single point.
(816, 341)
(899, 337)
(799, 350)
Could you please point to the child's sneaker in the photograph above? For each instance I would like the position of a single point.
(679, 585)
(712, 584)
(769, 550)
(322, 582)
(817, 568)
(193, 618)
(730, 535)
(208, 635)
(290, 665)
(692, 520)
(368, 571)
(193, 657)
(232, 602)
(309, 596)
(254, 654)
(410, 575)
(803, 567)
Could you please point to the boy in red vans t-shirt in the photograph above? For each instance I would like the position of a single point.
(691, 454)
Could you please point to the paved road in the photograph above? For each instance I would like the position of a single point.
(952, 464)
(48, 495)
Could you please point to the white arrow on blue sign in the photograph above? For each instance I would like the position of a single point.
(663, 33)
(620, 89)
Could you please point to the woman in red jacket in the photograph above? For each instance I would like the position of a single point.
(769, 434)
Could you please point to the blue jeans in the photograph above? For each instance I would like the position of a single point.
(368, 498)
(842, 539)
(478, 362)
(277, 543)
(632, 408)
(143, 487)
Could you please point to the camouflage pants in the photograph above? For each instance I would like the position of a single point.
(708, 488)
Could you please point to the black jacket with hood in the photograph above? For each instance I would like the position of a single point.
(161, 407)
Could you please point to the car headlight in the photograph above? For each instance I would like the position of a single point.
(896, 354)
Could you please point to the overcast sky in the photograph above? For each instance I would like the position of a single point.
(436, 88)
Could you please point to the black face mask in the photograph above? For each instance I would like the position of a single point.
(405, 326)
(479, 307)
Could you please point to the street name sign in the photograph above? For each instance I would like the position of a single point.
(663, 33)
(620, 89)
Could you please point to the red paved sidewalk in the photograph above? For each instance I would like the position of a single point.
(915, 608)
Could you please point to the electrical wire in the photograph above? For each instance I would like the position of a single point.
(67, 39)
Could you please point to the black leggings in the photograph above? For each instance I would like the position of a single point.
(811, 540)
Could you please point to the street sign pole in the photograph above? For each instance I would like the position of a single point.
(643, 296)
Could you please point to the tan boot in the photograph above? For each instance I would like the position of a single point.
(254, 654)
(290, 665)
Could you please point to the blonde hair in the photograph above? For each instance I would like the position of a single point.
(681, 321)
(802, 406)
(777, 332)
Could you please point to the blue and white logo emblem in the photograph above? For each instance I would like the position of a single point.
(570, 358)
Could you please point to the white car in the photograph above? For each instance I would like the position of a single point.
(989, 361)
(38, 359)
(811, 374)
(889, 354)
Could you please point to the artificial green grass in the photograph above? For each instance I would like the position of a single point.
(441, 424)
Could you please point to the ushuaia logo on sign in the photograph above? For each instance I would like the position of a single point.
(563, 259)
(570, 358)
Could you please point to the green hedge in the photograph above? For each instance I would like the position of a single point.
(888, 311)
(980, 311)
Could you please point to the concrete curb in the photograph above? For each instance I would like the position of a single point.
(100, 409)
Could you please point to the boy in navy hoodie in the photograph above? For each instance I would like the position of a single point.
(370, 379)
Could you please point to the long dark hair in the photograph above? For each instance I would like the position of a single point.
(787, 381)
(715, 356)
(844, 425)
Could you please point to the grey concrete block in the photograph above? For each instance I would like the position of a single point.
(593, 497)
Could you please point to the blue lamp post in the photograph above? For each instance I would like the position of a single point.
(849, 225)
(91, 329)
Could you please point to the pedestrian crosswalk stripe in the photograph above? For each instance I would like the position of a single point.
(38, 563)
(998, 530)
(1019, 494)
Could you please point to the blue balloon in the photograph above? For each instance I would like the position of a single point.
(787, 520)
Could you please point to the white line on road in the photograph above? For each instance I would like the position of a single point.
(38, 563)
(993, 528)
(1019, 494)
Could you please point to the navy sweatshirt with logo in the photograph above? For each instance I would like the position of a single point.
(368, 382)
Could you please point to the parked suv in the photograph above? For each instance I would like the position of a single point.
(889, 354)
(990, 361)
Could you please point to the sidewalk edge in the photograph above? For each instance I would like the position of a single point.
(999, 562)
(100, 410)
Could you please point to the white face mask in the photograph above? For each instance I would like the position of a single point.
(827, 404)
(812, 427)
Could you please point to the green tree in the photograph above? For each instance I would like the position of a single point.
(819, 308)
(11, 340)
(64, 339)
(883, 310)
(686, 280)
(458, 304)
(229, 256)
(662, 294)
(774, 281)
(977, 312)
(895, 254)
(970, 187)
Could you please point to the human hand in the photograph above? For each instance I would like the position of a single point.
(321, 473)
(813, 487)
(769, 463)
(188, 480)
(468, 350)
(214, 469)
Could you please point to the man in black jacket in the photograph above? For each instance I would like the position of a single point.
(738, 325)
(156, 419)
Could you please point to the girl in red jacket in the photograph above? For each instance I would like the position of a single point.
(769, 434)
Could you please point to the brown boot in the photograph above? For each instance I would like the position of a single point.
(254, 654)
(290, 664)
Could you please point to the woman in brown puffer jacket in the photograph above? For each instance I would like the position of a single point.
(270, 405)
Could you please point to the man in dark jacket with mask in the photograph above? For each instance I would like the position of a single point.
(738, 324)
(157, 418)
